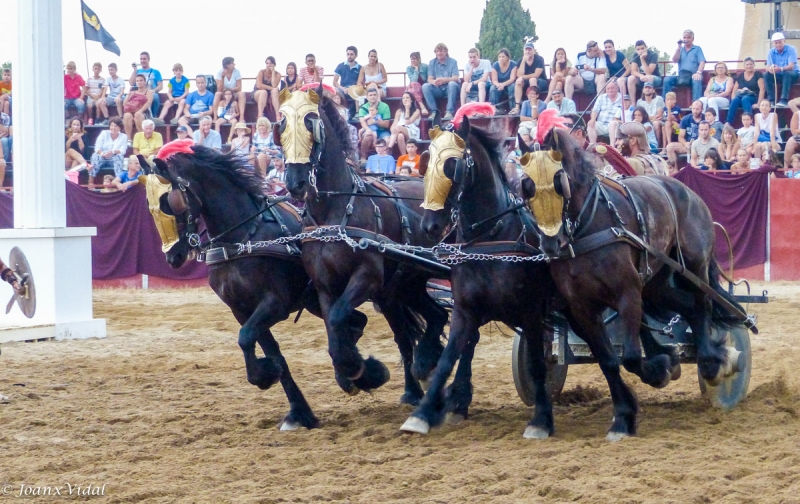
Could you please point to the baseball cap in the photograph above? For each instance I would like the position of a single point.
(648, 84)
(529, 44)
(777, 36)
(183, 128)
(626, 97)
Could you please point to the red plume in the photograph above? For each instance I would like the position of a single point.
(174, 147)
(315, 86)
(471, 110)
(548, 120)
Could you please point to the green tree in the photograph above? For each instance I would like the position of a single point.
(505, 24)
(630, 53)
(7, 64)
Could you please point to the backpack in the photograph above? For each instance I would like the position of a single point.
(211, 83)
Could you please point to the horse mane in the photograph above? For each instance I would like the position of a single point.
(493, 143)
(581, 163)
(340, 127)
(205, 159)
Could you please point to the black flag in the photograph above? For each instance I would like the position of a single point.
(93, 30)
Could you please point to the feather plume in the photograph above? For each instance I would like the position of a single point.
(174, 147)
(471, 110)
(548, 120)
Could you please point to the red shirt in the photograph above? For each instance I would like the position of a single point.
(72, 86)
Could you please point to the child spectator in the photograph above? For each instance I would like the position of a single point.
(115, 92)
(767, 127)
(108, 184)
(747, 133)
(227, 110)
(178, 90)
(241, 144)
(5, 92)
(130, 177)
(404, 171)
(381, 162)
(640, 115)
(742, 164)
(716, 126)
(729, 145)
(672, 117)
(74, 90)
(712, 162)
(290, 80)
(183, 132)
(410, 160)
(95, 95)
(794, 172)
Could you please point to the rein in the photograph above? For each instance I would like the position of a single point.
(261, 211)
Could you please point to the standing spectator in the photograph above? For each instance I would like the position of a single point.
(718, 91)
(654, 106)
(781, 67)
(528, 115)
(410, 160)
(178, 87)
(644, 69)
(75, 152)
(417, 73)
(558, 72)
(207, 137)
(375, 119)
(153, 80)
(504, 78)
(348, 72)
(129, 177)
(268, 86)
(748, 90)
(227, 111)
(95, 94)
(110, 148)
(373, 74)
(263, 148)
(476, 76)
(382, 162)
(115, 86)
(617, 64)
(137, 106)
(691, 61)
(689, 131)
(229, 78)
(605, 107)
(5, 92)
(671, 118)
(148, 141)
(530, 72)
(767, 129)
(406, 124)
(290, 81)
(310, 73)
(562, 104)
(74, 90)
(442, 81)
(589, 72)
(198, 103)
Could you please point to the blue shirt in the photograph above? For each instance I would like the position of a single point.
(177, 87)
(438, 70)
(212, 141)
(504, 76)
(152, 75)
(347, 76)
(782, 59)
(199, 103)
(691, 126)
(690, 60)
(123, 178)
(381, 164)
(527, 110)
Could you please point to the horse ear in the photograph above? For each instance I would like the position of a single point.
(424, 158)
(525, 159)
(284, 95)
(523, 147)
(161, 166)
(435, 132)
(320, 89)
(463, 128)
(313, 96)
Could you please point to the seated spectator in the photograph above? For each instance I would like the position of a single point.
(589, 72)
(769, 159)
(310, 73)
(347, 73)
(198, 103)
(240, 145)
(792, 143)
(619, 68)
(382, 162)
(442, 81)
(129, 177)
(654, 105)
(153, 81)
(691, 61)
(373, 74)
(374, 116)
(95, 95)
(644, 69)
(344, 113)
(207, 137)
(5, 92)
(75, 152)
(718, 91)
(671, 118)
(108, 184)
(504, 78)
(558, 73)
(767, 129)
(74, 90)
(728, 145)
(277, 175)
(531, 108)
(147, 142)
(268, 86)
(290, 81)
(614, 125)
(178, 88)
(115, 92)
(227, 110)
(748, 90)
(640, 115)
(561, 103)
(530, 72)
(137, 106)
(6, 142)
(228, 78)
(794, 170)
(110, 148)
(263, 148)
(513, 170)
(781, 67)
(742, 164)
(702, 144)
(409, 160)
(406, 124)
(417, 73)
(182, 132)
(404, 171)
(712, 161)
(577, 129)
(688, 132)
(716, 126)
(603, 111)
(476, 76)
(746, 135)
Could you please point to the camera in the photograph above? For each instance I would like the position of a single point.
(135, 65)
(680, 42)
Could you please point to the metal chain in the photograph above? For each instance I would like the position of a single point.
(667, 330)
(456, 256)
(340, 235)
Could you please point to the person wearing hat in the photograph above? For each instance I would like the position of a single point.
(644, 69)
(561, 103)
(781, 67)
(531, 108)
(589, 72)
(182, 132)
(633, 145)
(241, 144)
(691, 61)
(529, 73)
(654, 105)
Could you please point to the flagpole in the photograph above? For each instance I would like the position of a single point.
(85, 50)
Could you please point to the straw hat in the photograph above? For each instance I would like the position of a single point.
(356, 92)
(241, 125)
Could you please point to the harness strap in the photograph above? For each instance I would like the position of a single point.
(226, 252)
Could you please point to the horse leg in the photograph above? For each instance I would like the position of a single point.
(458, 395)
(399, 323)
(541, 425)
(429, 348)
(655, 371)
(652, 347)
(711, 355)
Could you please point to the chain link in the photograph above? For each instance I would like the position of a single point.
(456, 256)
(667, 330)
(340, 235)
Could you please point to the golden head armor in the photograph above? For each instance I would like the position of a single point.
(166, 225)
(296, 140)
(546, 204)
(444, 145)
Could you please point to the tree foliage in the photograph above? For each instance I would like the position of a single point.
(5, 65)
(505, 24)
(630, 53)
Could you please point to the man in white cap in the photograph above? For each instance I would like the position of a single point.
(691, 61)
(781, 67)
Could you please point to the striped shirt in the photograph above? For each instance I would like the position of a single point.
(606, 109)
(307, 78)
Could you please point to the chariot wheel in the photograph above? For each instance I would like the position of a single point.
(556, 373)
(733, 388)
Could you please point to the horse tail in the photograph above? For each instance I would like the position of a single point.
(720, 316)
(414, 322)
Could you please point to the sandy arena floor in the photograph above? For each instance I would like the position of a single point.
(160, 411)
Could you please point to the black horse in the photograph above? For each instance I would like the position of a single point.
(261, 288)
(594, 230)
(464, 171)
(341, 207)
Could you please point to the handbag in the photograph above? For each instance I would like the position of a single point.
(685, 78)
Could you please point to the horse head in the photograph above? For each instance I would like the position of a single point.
(301, 134)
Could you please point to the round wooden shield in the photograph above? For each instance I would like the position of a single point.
(732, 389)
(556, 373)
(27, 297)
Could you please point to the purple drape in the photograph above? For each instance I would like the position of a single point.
(740, 204)
(127, 242)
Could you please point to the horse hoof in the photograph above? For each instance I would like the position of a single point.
(532, 432)
(675, 372)
(416, 426)
(347, 385)
(359, 373)
(616, 436)
(454, 418)
(374, 374)
(288, 425)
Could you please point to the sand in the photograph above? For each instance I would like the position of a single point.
(160, 411)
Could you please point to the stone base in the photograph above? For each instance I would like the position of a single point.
(95, 328)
